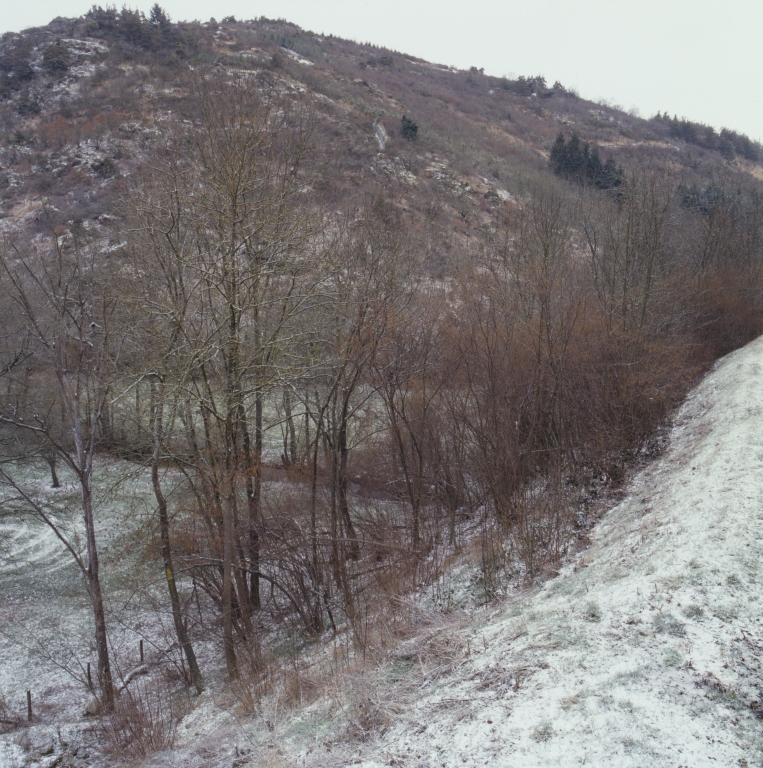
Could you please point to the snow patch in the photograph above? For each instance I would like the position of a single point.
(294, 55)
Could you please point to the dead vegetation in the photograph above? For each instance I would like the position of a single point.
(144, 720)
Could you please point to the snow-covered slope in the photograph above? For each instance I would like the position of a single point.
(646, 650)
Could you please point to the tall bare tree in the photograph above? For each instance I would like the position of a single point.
(68, 314)
(215, 226)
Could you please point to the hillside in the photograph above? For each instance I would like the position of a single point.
(80, 99)
(644, 650)
(360, 410)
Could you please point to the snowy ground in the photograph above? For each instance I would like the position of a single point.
(46, 624)
(644, 651)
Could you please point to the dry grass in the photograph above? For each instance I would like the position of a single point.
(366, 680)
(378, 693)
(278, 684)
(144, 721)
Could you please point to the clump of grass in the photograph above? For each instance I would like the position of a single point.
(672, 658)
(368, 716)
(399, 669)
(668, 624)
(626, 677)
(694, 611)
(731, 699)
(569, 702)
(592, 612)
(543, 732)
(725, 613)
(626, 705)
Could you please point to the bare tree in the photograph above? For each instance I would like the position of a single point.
(228, 269)
(410, 369)
(68, 316)
(158, 404)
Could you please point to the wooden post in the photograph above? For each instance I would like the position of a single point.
(89, 678)
(141, 651)
(29, 706)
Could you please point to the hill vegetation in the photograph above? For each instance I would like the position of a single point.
(352, 316)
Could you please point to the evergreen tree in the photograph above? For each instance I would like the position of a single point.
(558, 152)
(55, 59)
(581, 163)
(611, 175)
(158, 18)
(726, 147)
(593, 168)
(573, 160)
(134, 27)
(409, 129)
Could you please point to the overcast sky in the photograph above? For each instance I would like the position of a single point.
(700, 59)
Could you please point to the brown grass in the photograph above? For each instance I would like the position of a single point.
(144, 721)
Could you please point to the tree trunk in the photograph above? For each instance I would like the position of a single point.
(342, 481)
(164, 525)
(255, 538)
(96, 598)
(84, 463)
(51, 459)
(290, 434)
(317, 576)
(227, 607)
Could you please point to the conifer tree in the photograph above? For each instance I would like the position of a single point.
(580, 162)
(409, 129)
(558, 151)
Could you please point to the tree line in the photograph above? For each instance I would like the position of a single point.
(730, 144)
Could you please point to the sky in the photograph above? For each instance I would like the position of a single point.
(699, 59)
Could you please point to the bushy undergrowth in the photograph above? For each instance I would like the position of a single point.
(144, 721)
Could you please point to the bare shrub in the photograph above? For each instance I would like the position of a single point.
(368, 715)
(144, 721)
(426, 646)
(254, 682)
(288, 681)
(542, 531)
